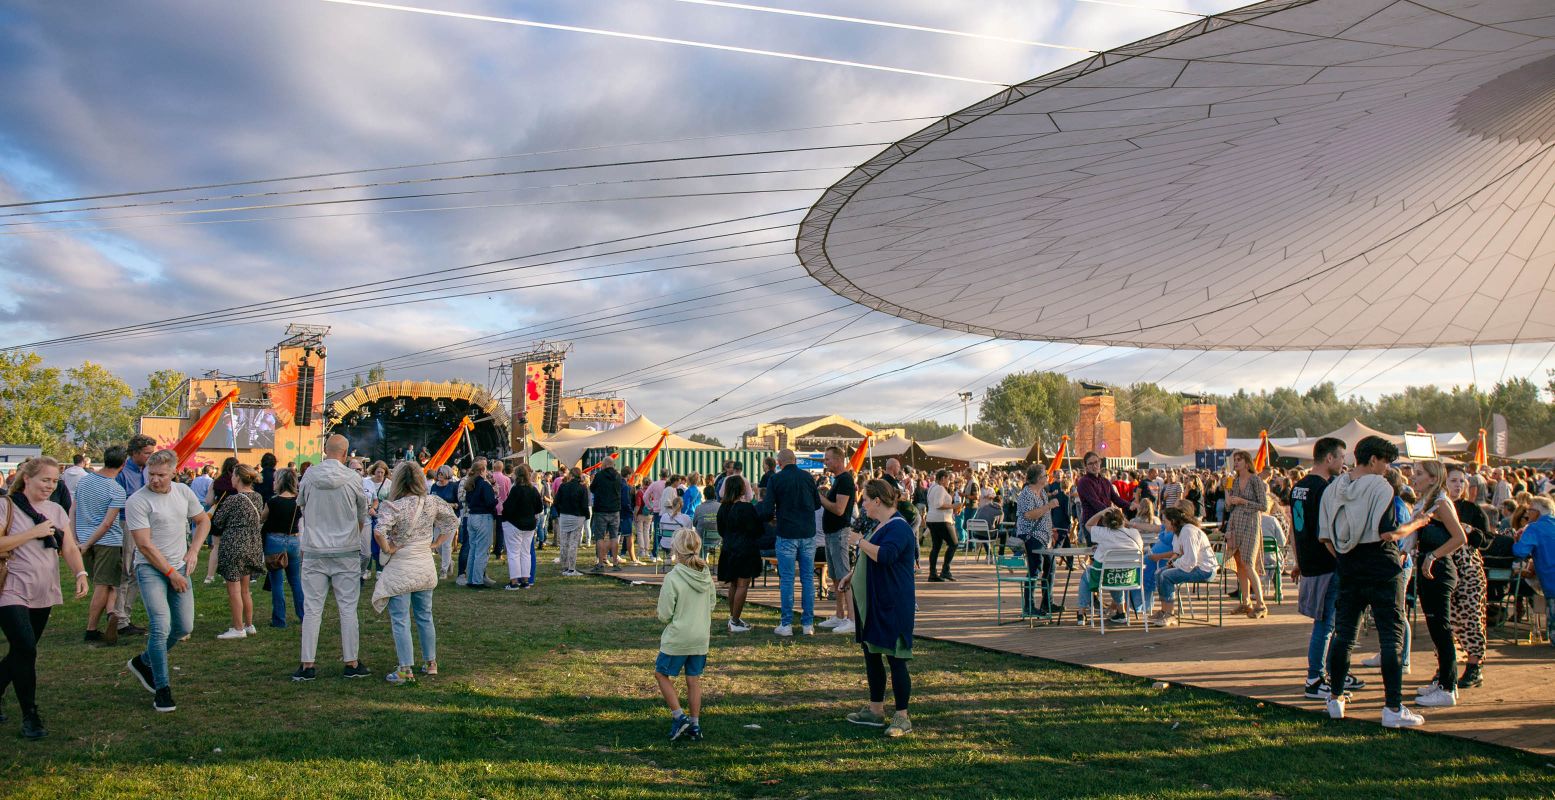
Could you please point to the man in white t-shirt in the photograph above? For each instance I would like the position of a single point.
(158, 517)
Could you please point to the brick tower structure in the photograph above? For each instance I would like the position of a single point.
(1200, 429)
(1099, 429)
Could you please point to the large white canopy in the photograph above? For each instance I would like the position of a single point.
(640, 432)
(1545, 453)
(1154, 459)
(963, 446)
(1295, 174)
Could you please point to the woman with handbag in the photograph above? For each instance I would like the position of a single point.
(242, 555)
(411, 526)
(29, 579)
(283, 557)
(220, 490)
(1248, 500)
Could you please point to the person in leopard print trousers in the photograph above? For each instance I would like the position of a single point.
(1466, 614)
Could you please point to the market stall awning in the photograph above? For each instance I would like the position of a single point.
(640, 432)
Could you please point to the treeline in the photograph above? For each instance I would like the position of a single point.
(80, 409)
(1027, 406)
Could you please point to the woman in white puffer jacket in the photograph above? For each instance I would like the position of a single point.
(411, 526)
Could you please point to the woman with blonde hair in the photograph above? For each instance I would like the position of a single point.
(411, 526)
(1437, 577)
(1247, 499)
(32, 537)
(239, 517)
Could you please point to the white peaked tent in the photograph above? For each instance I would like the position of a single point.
(963, 446)
(1451, 443)
(1151, 458)
(640, 432)
(1356, 431)
(1545, 453)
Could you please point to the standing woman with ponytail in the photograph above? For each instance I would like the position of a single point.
(31, 546)
(1437, 577)
(1468, 598)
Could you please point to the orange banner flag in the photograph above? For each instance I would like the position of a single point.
(857, 461)
(191, 441)
(447, 450)
(1058, 458)
(642, 469)
(1261, 459)
(1480, 458)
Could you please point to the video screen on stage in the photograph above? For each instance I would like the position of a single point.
(245, 428)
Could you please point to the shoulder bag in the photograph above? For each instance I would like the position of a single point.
(281, 560)
(5, 558)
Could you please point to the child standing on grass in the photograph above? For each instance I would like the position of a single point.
(686, 605)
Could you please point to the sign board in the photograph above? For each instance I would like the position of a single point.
(1420, 447)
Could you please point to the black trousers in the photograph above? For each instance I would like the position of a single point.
(1038, 565)
(901, 682)
(23, 628)
(1385, 598)
(1436, 604)
(941, 533)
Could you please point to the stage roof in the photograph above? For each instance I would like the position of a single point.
(1292, 175)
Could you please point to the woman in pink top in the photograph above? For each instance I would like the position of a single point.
(33, 538)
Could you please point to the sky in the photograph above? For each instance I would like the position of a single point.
(667, 263)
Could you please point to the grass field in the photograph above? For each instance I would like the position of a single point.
(549, 693)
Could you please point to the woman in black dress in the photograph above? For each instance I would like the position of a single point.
(739, 562)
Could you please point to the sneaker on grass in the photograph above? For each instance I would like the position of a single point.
(808, 630)
(305, 674)
(846, 627)
(900, 725)
(232, 633)
(831, 622)
(142, 672)
(737, 626)
(358, 671)
(163, 702)
(679, 726)
(783, 630)
(865, 716)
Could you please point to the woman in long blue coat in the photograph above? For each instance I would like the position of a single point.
(883, 596)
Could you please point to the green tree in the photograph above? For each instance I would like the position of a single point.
(95, 414)
(376, 373)
(1025, 407)
(702, 438)
(32, 405)
(1155, 414)
(159, 397)
(921, 430)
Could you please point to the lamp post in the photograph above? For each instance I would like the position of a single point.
(966, 399)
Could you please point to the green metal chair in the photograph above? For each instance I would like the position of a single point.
(1011, 569)
(1275, 576)
(1122, 570)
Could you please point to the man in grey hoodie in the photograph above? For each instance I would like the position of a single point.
(334, 516)
(1357, 523)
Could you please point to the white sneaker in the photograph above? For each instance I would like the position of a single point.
(831, 622)
(1402, 718)
(232, 633)
(1336, 707)
(738, 627)
(1430, 688)
(462, 581)
(783, 630)
(570, 573)
(250, 630)
(1373, 661)
(809, 630)
(845, 627)
(1440, 698)
(209, 580)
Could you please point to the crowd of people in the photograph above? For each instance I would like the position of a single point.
(1379, 536)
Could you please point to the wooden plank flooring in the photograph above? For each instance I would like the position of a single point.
(1263, 659)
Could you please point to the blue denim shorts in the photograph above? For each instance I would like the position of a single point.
(672, 665)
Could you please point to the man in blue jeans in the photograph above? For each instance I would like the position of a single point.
(1318, 588)
(158, 517)
(791, 500)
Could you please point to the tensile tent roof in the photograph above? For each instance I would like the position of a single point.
(963, 446)
(640, 432)
(1152, 458)
(1227, 185)
(1355, 430)
(1545, 453)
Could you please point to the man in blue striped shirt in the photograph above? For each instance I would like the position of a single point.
(99, 504)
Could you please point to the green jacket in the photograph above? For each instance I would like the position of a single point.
(686, 604)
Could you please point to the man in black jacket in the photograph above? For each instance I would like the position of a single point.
(791, 499)
(572, 513)
(606, 523)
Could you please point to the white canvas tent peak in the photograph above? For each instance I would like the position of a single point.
(640, 432)
(1152, 458)
(1545, 453)
(1355, 430)
(963, 446)
(1308, 159)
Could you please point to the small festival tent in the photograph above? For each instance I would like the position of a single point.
(1153, 459)
(640, 432)
(1545, 453)
(964, 447)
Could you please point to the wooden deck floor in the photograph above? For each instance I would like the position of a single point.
(1263, 659)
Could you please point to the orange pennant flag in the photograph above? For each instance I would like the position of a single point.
(1058, 458)
(191, 441)
(1480, 458)
(642, 469)
(1261, 460)
(443, 453)
(857, 461)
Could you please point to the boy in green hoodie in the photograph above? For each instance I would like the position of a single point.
(686, 605)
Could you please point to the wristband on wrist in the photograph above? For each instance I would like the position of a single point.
(81, 574)
(168, 573)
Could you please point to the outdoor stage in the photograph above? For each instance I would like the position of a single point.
(1263, 659)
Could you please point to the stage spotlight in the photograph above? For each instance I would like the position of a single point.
(441, 407)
